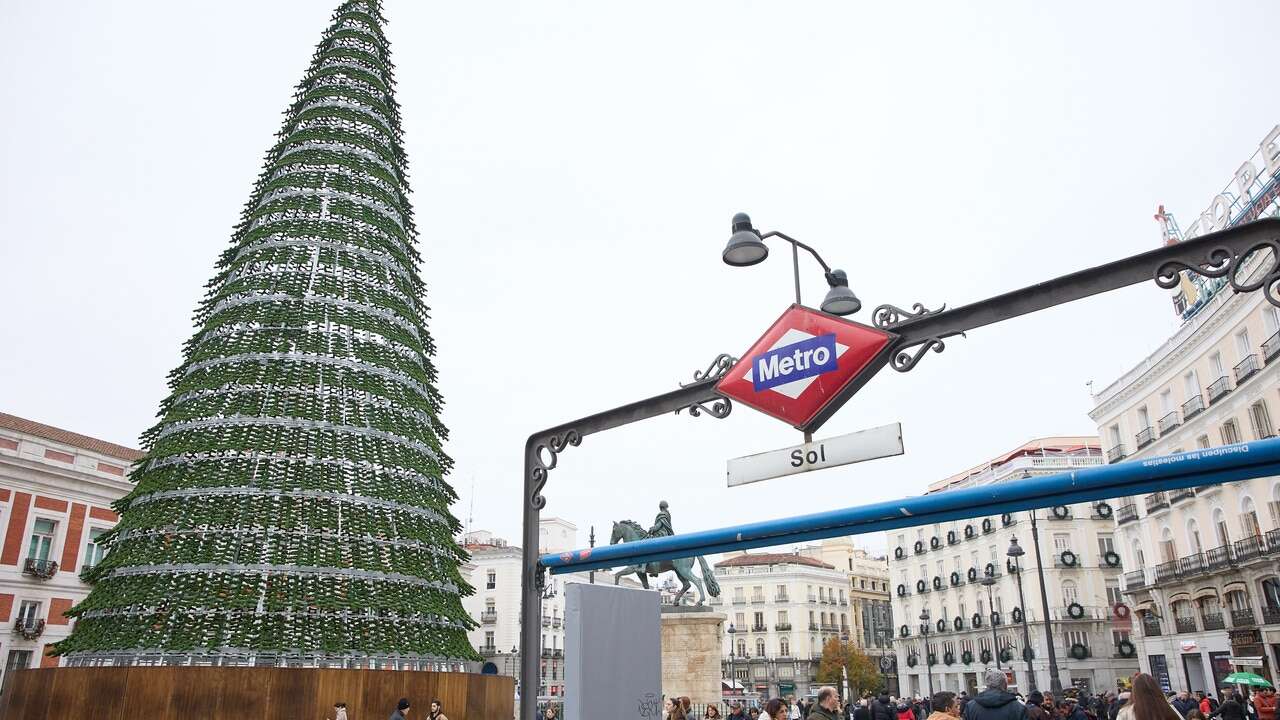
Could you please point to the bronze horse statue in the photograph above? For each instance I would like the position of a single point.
(630, 531)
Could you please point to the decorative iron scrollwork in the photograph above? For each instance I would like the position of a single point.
(719, 409)
(554, 445)
(1223, 262)
(715, 370)
(906, 357)
(888, 315)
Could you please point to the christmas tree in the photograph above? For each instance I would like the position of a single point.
(292, 505)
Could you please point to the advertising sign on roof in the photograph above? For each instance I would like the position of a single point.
(806, 365)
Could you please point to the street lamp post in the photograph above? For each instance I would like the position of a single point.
(733, 676)
(928, 664)
(1016, 552)
(987, 582)
(1055, 684)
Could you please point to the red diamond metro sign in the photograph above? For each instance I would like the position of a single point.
(806, 366)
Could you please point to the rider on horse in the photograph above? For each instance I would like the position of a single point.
(661, 528)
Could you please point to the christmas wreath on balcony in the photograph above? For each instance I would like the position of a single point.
(919, 546)
(990, 569)
(949, 658)
(1017, 614)
(977, 620)
(899, 553)
(902, 590)
(986, 525)
(1103, 510)
(966, 657)
(1075, 611)
(937, 583)
(958, 623)
(995, 619)
(973, 574)
(912, 660)
(1006, 654)
(969, 532)
(1006, 519)
(920, 585)
(936, 542)
(1111, 558)
(933, 658)
(952, 538)
(985, 656)
(1028, 654)
(1079, 651)
(941, 625)
(1068, 558)
(1126, 649)
(955, 578)
(1061, 512)
(904, 631)
(1121, 611)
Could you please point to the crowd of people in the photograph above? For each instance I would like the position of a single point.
(1144, 701)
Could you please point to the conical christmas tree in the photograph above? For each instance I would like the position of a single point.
(292, 504)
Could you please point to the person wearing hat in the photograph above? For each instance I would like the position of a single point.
(402, 709)
(995, 702)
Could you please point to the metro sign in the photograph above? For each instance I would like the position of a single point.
(806, 366)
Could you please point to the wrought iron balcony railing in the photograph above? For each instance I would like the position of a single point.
(1126, 513)
(757, 599)
(1218, 389)
(1213, 621)
(43, 569)
(758, 628)
(1248, 548)
(489, 617)
(781, 598)
(1116, 454)
(1157, 501)
(1170, 421)
(1218, 558)
(1144, 437)
(1185, 624)
(28, 629)
(782, 627)
(555, 622)
(1246, 368)
(1242, 618)
(1192, 407)
(1176, 496)
(487, 649)
(1150, 627)
(1135, 579)
(1166, 571)
(1270, 615)
(1271, 347)
(1191, 565)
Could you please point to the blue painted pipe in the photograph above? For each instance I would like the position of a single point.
(1211, 466)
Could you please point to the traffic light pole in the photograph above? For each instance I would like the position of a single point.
(1221, 254)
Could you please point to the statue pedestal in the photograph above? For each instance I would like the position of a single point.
(691, 649)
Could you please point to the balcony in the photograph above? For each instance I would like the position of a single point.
(1150, 627)
(1246, 368)
(1166, 572)
(781, 598)
(1126, 513)
(844, 603)
(1271, 347)
(813, 627)
(557, 653)
(1134, 580)
(1192, 407)
(739, 600)
(1218, 558)
(782, 627)
(1270, 615)
(813, 598)
(758, 628)
(1185, 624)
(546, 621)
(1248, 548)
(1242, 618)
(1273, 540)
(1144, 437)
(555, 622)
(489, 617)
(1213, 621)
(1169, 422)
(1115, 454)
(1191, 565)
(28, 629)
(42, 569)
(757, 599)
(1218, 389)
(546, 653)
(1177, 496)
(1157, 501)
(829, 628)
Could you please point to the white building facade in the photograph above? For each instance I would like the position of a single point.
(782, 608)
(1202, 579)
(937, 570)
(56, 490)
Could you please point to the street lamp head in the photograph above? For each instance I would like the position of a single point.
(745, 246)
(988, 581)
(731, 630)
(1015, 550)
(924, 615)
(840, 300)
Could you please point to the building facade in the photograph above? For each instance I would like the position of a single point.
(1202, 581)
(56, 490)
(952, 627)
(495, 575)
(870, 604)
(781, 608)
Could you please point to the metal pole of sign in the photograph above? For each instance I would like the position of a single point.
(1055, 683)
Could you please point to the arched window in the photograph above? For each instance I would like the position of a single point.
(1237, 600)
(1193, 537)
(1182, 609)
(742, 648)
(1138, 555)
(1069, 592)
(1271, 593)
(1220, 527)
(1249, 518)
(760, 647)
(784, 646)
(1168, 550)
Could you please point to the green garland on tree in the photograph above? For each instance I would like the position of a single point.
(292, 503)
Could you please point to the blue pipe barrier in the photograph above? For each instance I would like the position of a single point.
(1210, 466)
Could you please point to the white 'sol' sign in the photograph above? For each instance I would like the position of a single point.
(879, 442)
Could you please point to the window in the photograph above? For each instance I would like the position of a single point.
(18, 660)
(490, 583)
(1138, 556)
(41, 539)
(742, 648)
(786, 672)
(1070, 593)
(1271, 593)
(488, 638)
(1260, 419)
(1215, 365)
(1118, 635)
(759, 647)
(1167, 547)
(1237, 600)
(1191, 384)
(1243, 349)
(1249, 518)
(93, 550)
(741, 620)
(1113, 593)
(1106, 543)
(1114, 433)
(1061, 542)
(29, 612)
(488, 605)
(1077, 637)
(782, 617)
(782, 593)
(1220, 527)
(1202, 442)
(1270, 320)
(1166, 402)
(758, 620)
(1193, 536)
(739, 595)
(1144, 419)
(1230, 433)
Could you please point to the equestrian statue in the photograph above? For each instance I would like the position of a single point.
(630, 531)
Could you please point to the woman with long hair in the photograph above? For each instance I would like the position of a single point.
(776, 709)
(1147, 702)
(713, 712)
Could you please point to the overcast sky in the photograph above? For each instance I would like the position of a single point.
(575, 167)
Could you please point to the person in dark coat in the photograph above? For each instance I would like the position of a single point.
(881, 708)
(995, 702)
(1035, 709)
(863, 710)
(1232, 709)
